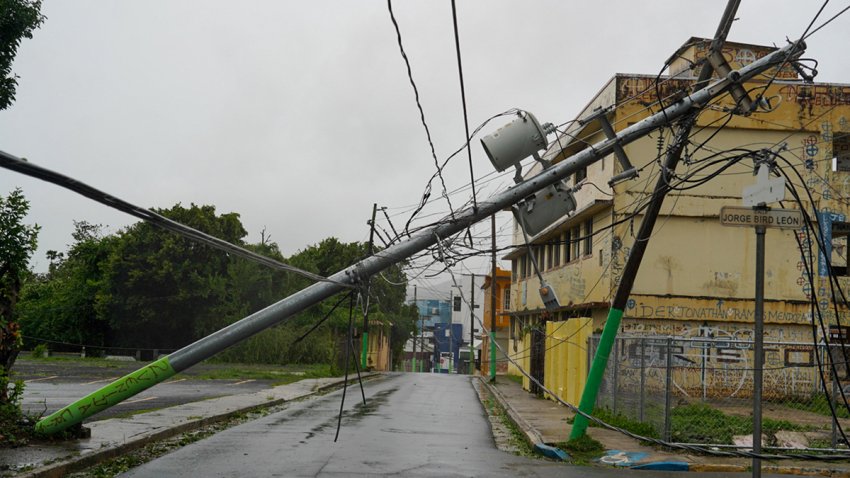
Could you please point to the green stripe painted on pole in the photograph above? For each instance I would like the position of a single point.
(492, 355)
(597, 370)
(117, 391)
(365, 352)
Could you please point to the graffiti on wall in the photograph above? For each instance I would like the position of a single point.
(715, 361)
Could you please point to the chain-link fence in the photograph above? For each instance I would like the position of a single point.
(699, 390)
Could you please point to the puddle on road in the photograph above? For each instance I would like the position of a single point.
(349, 416)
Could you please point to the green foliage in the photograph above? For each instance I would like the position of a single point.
(582, 444)
(14, 428)
(582, 450)
(280, 375)
(18, 19)
(61, 305)
(700, 423)
(277, 346)
(161, 288)
(819, 403)
(622, 421)
(17, 244)
(40, 351)
(148, 288)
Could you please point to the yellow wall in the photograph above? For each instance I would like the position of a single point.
(565, 370)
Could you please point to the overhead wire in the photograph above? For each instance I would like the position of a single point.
(28, 168)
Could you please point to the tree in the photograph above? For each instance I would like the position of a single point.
(18, 241)
(163, 288)
(18, 19)
(61, 305)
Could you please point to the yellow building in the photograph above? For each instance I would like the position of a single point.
(697, 277)
(503, 303)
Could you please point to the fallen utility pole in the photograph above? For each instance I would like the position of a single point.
(630, 270)
(358, 273)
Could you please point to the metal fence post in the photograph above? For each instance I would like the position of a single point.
(832, 399)
(642, 377)
(668, 389)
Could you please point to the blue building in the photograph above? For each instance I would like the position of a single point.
(447, 341)
(433, 311)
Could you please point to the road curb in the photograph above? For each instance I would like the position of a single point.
(531, 435)
(73, 464)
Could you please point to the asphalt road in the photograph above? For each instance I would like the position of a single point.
(50, 385)
(411, 425)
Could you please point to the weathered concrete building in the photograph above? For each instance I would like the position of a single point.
(697, 276)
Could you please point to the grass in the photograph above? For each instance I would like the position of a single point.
(583, 450)
(622, 421)
(279, 375)
(93, 361)
(514, 378)
(819, 404)
(517, 437)
(700, 423)
(132, 413)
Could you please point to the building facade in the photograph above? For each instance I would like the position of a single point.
(503, 304)
(697, 277)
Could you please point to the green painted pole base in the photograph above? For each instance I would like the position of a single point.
(121, 389)
(597, 370)
(492, 355)
(365, 353)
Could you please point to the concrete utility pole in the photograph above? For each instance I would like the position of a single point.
(422, 343)
(472, 324)
(419, 314)
(492, 301)
(630, 270)
(365, 353)
(357, 274)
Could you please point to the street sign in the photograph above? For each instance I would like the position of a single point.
(746, 216)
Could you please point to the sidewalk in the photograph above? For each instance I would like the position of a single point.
(545, 421)
(113, 437)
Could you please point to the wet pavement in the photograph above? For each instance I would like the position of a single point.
(411, 425)
(50, 385)
(548, 422)
(115, 436)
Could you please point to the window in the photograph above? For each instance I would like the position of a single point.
(567, 246)
(523, 267)
(550, 254)
(456, 304)
(841, 152)
(514, 264)
(556, 252)
(506, 304)
(581, 174)
(838, 258)
(576, 243)
(588, 237)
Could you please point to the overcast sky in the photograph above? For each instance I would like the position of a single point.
(299, 115)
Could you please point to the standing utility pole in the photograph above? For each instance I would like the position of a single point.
(472, 324)
(492, 301)
(356, 274)
(365, 353)
(630, 270)
(419, 315)
(422, 343)
(758, 360)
